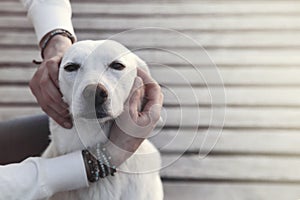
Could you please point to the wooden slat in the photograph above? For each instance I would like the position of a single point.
(13, 94)
(228, 141)
(178, 23)
(212, 191)
(19, 56)
(230, 75)
(8, 113)
(198, 7)
(239, 168)
(235, 96)
(202, 7)
(11, 7)
(235, 117)
(221, 57)
(15, 74)
(165, 38)
(181, 23)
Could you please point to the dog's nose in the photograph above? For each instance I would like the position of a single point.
(101, 95)
(98, 91)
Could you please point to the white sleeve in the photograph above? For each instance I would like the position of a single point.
(37, 178)
(47, 15)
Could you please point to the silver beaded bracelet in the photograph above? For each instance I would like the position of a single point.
(98, 165)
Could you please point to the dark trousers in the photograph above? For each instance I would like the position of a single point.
(23, 137)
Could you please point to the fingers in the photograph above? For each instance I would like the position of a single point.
(45, 90)
(151, 116)
(135, 99)
(51, 93)
(147, 79)
(153, 92)
(154, 97)
(63, 121)
(52, 66)
(132, 104)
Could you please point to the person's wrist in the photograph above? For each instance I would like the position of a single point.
(122, 147)
(57, 46)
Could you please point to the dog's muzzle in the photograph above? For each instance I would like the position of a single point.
(96, 94)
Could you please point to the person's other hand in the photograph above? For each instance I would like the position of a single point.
(44, 84)
(134, 125)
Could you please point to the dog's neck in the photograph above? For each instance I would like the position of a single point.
(83, 134)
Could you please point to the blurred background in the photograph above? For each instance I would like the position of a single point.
(251, 78)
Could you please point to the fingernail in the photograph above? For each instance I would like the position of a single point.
(67, 125)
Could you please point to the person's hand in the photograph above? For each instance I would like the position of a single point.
(133, 126)
(44, 84)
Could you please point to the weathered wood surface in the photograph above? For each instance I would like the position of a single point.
(175, 22)
(189, 8)
(262, 168)
(228, 190)
(181, 95)
(256, 46)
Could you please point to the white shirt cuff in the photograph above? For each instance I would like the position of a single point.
(49, 15)
(64, 173)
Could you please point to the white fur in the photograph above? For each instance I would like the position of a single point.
(94, 58)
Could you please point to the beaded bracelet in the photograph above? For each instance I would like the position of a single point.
(45, 40)
(99, 167)
(92, 166)
(105, 160)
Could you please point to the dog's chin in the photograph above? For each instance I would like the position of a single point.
(100, 116)
(104, 119)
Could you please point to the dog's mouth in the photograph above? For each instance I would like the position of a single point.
(101, 114)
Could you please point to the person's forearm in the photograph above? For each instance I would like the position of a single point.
(122, 147)
(37, 178)
(49, 15)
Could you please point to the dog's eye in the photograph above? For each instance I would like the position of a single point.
(70, 67)
(116, 65)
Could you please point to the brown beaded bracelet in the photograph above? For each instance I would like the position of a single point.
(45, 40)
(91, 165)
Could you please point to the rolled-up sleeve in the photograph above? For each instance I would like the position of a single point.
(47, 15)
(38, 178)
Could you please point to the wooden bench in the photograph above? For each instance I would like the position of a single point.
(256, 46)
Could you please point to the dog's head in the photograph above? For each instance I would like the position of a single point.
(96, 77)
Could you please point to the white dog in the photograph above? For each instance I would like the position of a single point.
(109, 68)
